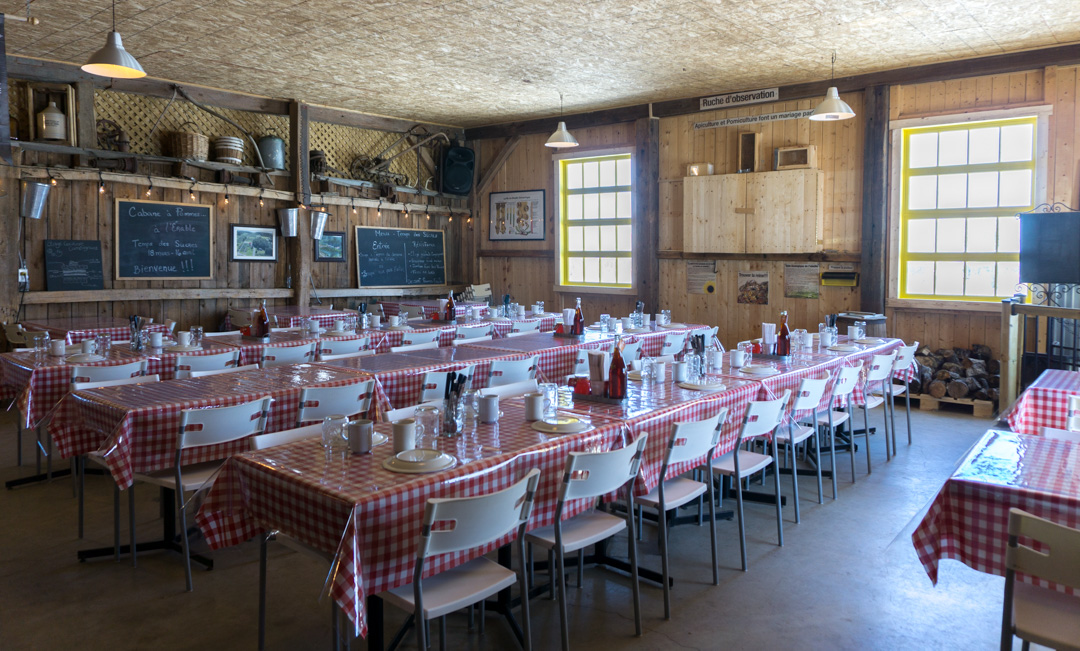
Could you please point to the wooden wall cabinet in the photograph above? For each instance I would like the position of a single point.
(762, 212)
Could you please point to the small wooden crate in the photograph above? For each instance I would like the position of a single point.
(795, 158)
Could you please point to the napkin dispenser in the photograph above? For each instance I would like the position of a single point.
(840, 278)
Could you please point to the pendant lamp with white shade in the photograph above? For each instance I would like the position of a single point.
(561, 138)
(832, 107)
(113, 60)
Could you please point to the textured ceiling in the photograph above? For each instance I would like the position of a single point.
(477, 62)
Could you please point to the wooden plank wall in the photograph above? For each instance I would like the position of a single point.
(528, 271)
(76, 210)
(839, 149)
(1055, 86)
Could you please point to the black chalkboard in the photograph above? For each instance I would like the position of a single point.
(73, 265)
(399, 257)
(158, 239)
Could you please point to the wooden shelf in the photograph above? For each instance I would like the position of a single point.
(434, 290)
(109, 295)
(818, 256)
(113, 155)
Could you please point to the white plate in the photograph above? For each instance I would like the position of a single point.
(674, 325)
(181, 349)
(844, 348)
(762, 371)
(870, 341)
(634, 375)
(717, 386)
(398, 328)
(562, 425)
(85, 357)
(636, 331)
(420, 460)
(496, 318)
(337, 333)
(378, 439)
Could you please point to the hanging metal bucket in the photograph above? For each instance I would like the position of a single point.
(288, 218)
(318, 223)
(34, 195)
(272, 150)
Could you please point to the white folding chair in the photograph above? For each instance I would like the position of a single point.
(904, 358)
(223, 371)
(472, 332)
(807, 398)
(477, 521)
(342, 346)
(693, 441)
(431, 345)
(525, 326)
(411, 312)
(330, 358)
(762, 417)
(316, 403)
(434, 383)
(202, 428)
(480, 292)
(263, 441)
(98, 459)
(413, 337)
(511, 335)
(879, 372)
(183, 365)
(170, 325)
(474, 340)
(289, 329)
(589, 475)
(1032, 612)
(673, 343)
(1060, 434)
(284, 355)
(843, 384)
(393, 415)
(511, 390)
(101, 373)
(631, 351)
(225, 333)
(1072, 418)
(510, 371)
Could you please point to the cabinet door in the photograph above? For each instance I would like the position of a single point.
(711, 220)
(787, 211)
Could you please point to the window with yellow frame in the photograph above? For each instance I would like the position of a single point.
(962, 186)
(596, 242)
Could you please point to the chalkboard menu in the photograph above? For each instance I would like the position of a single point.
(73, 265)
(399, 257)
(158, 239)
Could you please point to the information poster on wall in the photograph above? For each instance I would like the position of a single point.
(700, 277)
(753, 288)
(801, 280)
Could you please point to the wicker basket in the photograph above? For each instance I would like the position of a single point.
(189, 145)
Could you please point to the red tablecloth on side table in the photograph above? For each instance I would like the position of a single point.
(1044, 403)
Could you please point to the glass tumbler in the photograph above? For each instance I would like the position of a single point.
(551, 398)
(197, 333)
(428, 425)
(334, 434)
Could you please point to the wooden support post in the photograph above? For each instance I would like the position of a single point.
(300, 253)
(9, 245)
(1012, 350)
(875, 199)
(496, 165)
(85, 120)
(646, 211)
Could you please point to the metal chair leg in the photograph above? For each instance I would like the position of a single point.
(184, 534)
(779, 501)
(817, 457)
(742, 527)
(262, 590)
(580, 567)
(80, 491)
(116, 523)
(631, 543)
(131, 525)
(564, 617)
(866, 436)
(442, 633)
(907, 406)
(551, 574)
(526, 623)
(662, 525)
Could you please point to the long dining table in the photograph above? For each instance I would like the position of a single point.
(367, 518)
(1044, 403)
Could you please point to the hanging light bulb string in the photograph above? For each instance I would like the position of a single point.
(151, 187)
(261, 193)
(101, 183)
(378, 211)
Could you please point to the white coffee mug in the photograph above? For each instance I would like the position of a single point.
(678, 371)
(627, 323)
(88, 346)
(489, 409)
(475, 311)
(360, 432)
(339, 325)
(395, 320)
(404, 435)
(738, 359)
(183, 338)
(57, 348)
(534, 406)
(376, 320)
(659, 370)
(155, 339)
(716, 359)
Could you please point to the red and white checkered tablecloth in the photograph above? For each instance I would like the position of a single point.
(368, 517)
(383, 340)
(251, 351)
(1044, 403)
(162, 361)
(77, 329)
(968, 521)
(40, 383)
(557, 356)
(289, 317)
(656, 407)
(136, 425)
(431, 307)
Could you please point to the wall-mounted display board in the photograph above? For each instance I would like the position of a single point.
(73, 265)
(158, 240)
(399, 257)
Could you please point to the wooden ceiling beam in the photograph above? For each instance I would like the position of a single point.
(997, 64)
(44, 70)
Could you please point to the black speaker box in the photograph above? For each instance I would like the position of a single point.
(457, 170)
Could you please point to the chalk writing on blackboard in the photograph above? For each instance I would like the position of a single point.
(157, 239)
(400, 257)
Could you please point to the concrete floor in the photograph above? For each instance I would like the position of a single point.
(847, 577)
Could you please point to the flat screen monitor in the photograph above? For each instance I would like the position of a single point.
(1050, 247)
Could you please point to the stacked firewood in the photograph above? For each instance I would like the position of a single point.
(957, 373)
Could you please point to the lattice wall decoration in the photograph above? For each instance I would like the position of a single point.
(136, 115)
(343, 145)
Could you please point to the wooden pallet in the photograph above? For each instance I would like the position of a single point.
(979, 408)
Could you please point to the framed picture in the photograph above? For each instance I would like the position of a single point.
(253, 243)
(517, 215)
(331, 248)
